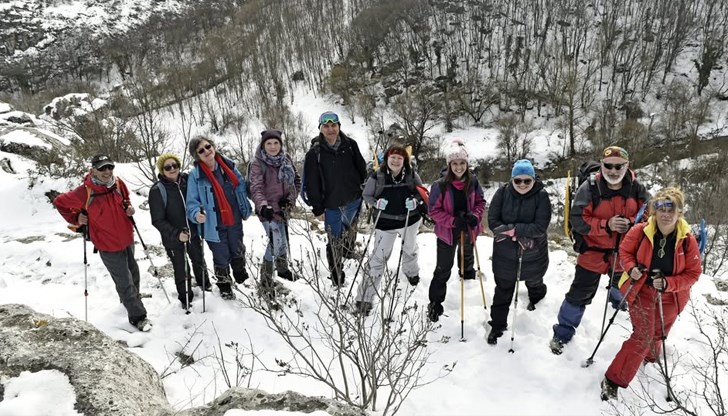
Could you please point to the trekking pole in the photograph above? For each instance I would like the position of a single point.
(615, 253)
(399, 263)
(85, 272)
(589, 361)
(663, 337)
(146, 253)
(361, 260)
(187, 272)
(515, 297)
(462, 286)
(480, 274)
(201, 229)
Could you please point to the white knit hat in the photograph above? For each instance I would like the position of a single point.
(456, 151)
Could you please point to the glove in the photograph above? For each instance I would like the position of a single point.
(460, 221)
(410, 204)
(471, 220)
(284, 203)
(526, 243)
(267, 213)
(659, 281)
(505, 231)
(381, 204)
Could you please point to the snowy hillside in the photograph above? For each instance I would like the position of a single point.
(42, 267)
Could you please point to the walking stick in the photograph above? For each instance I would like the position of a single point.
(399, 263)
(201, 229)
(589, 361)
(361, 259)
(85, 273)
(663, 337)
(615, 253)
(515, 297)
(155, 272)
(480, 274)
(462, 286)
(187, 273)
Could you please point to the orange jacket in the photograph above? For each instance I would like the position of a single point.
(637, 249)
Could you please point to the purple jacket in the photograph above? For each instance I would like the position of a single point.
(441, 208)
(267, 189)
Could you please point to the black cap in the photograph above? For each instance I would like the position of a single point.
(271, 134)
(99, 161)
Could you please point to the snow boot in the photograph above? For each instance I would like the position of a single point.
(362, 308)
(557, 347)
(434, 310)
(239, 272)
(413, 280)
(336, 265)
(143, 325)
(284, 272)
(224, 283)
(267, 285)
(493, 335)
(609, 390)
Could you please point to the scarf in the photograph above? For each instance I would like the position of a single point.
(223, 206)
(459, 185)
(286, 174)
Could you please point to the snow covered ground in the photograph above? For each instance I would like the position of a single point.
(42, 266)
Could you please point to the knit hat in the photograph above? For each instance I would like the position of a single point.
(271, 134)
(523, 167)
(195, 142)
(456, 151)
(615, 151)
(328, 117)
(163, 158)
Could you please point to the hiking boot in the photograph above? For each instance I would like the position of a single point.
(362, 308)
(239, 272)
(338, 279)
(413, 280)
(609, 390)
(557, 346)
(493, 336)
(228, 295)
(283, 271)
(267, 285)
(531, 306)
(224, 283)
(434, 310)
(469, 275)
(144, 325)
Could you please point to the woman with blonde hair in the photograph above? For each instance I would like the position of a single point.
(661, 262)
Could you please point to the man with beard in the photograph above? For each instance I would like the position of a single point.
(604, 208)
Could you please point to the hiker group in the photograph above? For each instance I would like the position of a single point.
(651, 259)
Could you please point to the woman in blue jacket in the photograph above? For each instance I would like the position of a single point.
(217, 200)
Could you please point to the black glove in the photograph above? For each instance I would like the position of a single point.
(504, 231)
(284, 203)
(267, 213)
(460, 221)
(471, 220)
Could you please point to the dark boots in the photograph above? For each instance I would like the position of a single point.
(336, 264)
(224, 283)
(283, 271)
(494, 334)
(267, 285)
(362, 308)
(434, 310)
(238, 266)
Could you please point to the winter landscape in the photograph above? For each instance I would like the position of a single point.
(249, 345)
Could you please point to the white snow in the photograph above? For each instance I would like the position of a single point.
(24, 137)
(47, 392)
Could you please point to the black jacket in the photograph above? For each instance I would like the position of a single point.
(531, 215)
(170, 220)
(333, 178)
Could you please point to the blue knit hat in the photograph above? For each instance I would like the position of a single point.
(523, 167)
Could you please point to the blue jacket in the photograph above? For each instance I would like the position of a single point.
(199, 194)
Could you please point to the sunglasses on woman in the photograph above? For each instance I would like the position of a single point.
(204, 148)
(171, 167)
(519, 181)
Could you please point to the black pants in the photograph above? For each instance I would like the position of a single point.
(446, 255)
(503, 297)
(181, 267)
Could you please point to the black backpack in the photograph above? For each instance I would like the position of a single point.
(587, 172)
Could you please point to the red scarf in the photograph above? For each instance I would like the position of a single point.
(223, 206)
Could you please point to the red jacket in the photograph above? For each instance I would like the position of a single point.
(637, 248)
(109, 227)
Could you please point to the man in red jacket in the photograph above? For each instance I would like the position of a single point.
(101, 208)
(604, 209)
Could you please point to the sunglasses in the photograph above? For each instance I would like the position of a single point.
(171, 167)
(204, 148)
(616, 166)
(664, 204)
(105, 168)
(329, 118)
(519, 181)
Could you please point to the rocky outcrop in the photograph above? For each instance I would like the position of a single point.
(109, 379)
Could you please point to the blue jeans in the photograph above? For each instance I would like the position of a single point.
(337, 220)
(277, 240)
(230, 246)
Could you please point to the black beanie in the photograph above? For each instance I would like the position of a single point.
(271, 134)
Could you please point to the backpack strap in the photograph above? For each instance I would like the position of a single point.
(162, 192)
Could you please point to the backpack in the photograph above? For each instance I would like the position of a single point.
(162, 192)
(420, 192)
(315, 146)
(263, 167)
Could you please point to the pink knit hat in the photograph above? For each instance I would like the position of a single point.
(456, 151)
